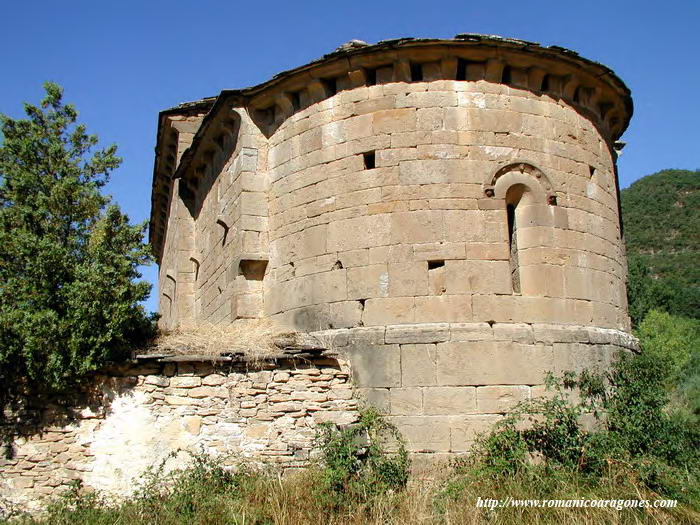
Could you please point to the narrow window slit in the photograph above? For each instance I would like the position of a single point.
(432, 265)
(369, 160)
(371, 75)
(513, 247)
(296, 100)
(507, 77)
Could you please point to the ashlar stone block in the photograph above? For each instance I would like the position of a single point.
(389, 310)
(449, 400)
(408, 278)
(418, 364)
(406, 401)
(419, 333)
(492, 363)
(375, 366)
(394, 120)
(423, 433)
(499, 399)
(368, 281)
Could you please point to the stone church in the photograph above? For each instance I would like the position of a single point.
(445, 213)
(448, 209)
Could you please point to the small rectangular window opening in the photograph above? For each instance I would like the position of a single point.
(432, 265)
(416, 72)
(591, 171)
(331, 86)
(296, 100)
(252, 270)
(507, 75)
(371, 77)
(461, 69)
(369, 160)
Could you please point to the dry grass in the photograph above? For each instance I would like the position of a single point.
(290, 502)
(295, 500)
(252, 338)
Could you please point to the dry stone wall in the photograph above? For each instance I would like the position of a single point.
(127, 421)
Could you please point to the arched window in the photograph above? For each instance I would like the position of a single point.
(528, 197)
(513, 197)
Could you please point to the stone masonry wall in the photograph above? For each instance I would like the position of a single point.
(129, 420)
(442, 384)
(413, 237)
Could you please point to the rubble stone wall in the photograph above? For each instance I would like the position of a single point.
(127, 421)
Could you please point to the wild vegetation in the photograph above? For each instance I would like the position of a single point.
(661, 218)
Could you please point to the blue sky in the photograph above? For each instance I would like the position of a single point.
(122, 62)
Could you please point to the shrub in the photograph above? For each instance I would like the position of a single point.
(630, 414)
(356, 462)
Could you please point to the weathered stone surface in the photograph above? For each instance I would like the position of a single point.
(418, 364)
(500, 399)
(246, 412)
(422, 333)
(449, 400)
(492, 363)
(425, 433)
(466, 429)
(406, 401)
(185, 382)
(375, 365)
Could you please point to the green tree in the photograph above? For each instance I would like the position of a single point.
(69, 289)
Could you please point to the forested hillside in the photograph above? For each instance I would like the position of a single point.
(661, 220)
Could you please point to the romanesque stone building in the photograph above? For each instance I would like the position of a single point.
(446, 210)
(443, 213)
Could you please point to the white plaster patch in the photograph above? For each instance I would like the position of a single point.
(129, 441)
(332, 133)
(591, 190)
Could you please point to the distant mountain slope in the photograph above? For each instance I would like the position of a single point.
(661, 219)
